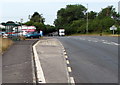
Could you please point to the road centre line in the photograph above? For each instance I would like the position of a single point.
(103, 41)
(115, 43)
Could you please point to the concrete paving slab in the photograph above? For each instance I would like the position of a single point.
(52, 60)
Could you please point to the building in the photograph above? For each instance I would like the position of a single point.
(2, 26)
(119, 7)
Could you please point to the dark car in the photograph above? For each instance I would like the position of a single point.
(33, 35)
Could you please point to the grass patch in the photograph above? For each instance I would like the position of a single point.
(4, 44)
(95, 34)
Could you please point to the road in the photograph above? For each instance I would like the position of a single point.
(93, 59)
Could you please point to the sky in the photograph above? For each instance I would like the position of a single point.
(15, 10)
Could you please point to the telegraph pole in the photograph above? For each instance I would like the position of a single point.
(87, 21)
(21, 20)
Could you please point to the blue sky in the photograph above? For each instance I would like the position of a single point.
(14, 10)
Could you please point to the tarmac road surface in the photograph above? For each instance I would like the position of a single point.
(93, 59)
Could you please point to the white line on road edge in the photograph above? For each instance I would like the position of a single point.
(66, 56)
(40, 74)
(67, 61)
(69, 69)
(72, 81)
(65, 53)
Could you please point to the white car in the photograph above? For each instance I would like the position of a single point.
(5, 35)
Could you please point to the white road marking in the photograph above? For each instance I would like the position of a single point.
(114, 43)
(63, 50)
(65, 53)
(72, 81)
(111, 43)
(66, 56)
(99, 40)
(67, 61)
(40, 74)
(69, 69)
(89, 40)
(106, 42)
(95, 41)
(82, 38)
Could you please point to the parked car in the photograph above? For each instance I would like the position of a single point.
(4, 34)
(32, 35)
(1, 33)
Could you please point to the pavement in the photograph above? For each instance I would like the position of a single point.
(52, 60)
(17, 63)
(0, 69)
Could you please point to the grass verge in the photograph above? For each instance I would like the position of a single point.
(115, 35)
(4, 44)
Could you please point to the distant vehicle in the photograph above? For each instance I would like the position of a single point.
(1, 33)
(32, 35)
(61, 32)
(5, 35)
(24, 32)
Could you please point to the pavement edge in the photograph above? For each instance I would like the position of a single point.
(38, 69)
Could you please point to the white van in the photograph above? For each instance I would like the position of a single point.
(61, 32)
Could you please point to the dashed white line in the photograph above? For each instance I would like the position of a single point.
(95, 41)
(66, 56)
(111, 43)
(69, 69)
(106, 42)
(72, 81)
(114, 43)
(63, 50)
(65, 53)
(89, 40)
(67, 61)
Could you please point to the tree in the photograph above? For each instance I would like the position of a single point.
(29, 23)
(36, 17)
(50, 29)
(70, 13)
(108, 11)
(92, 15)
(39, 26)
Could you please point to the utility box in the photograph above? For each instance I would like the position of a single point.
(61, 32)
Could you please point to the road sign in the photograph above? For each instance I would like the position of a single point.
(113, 28)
